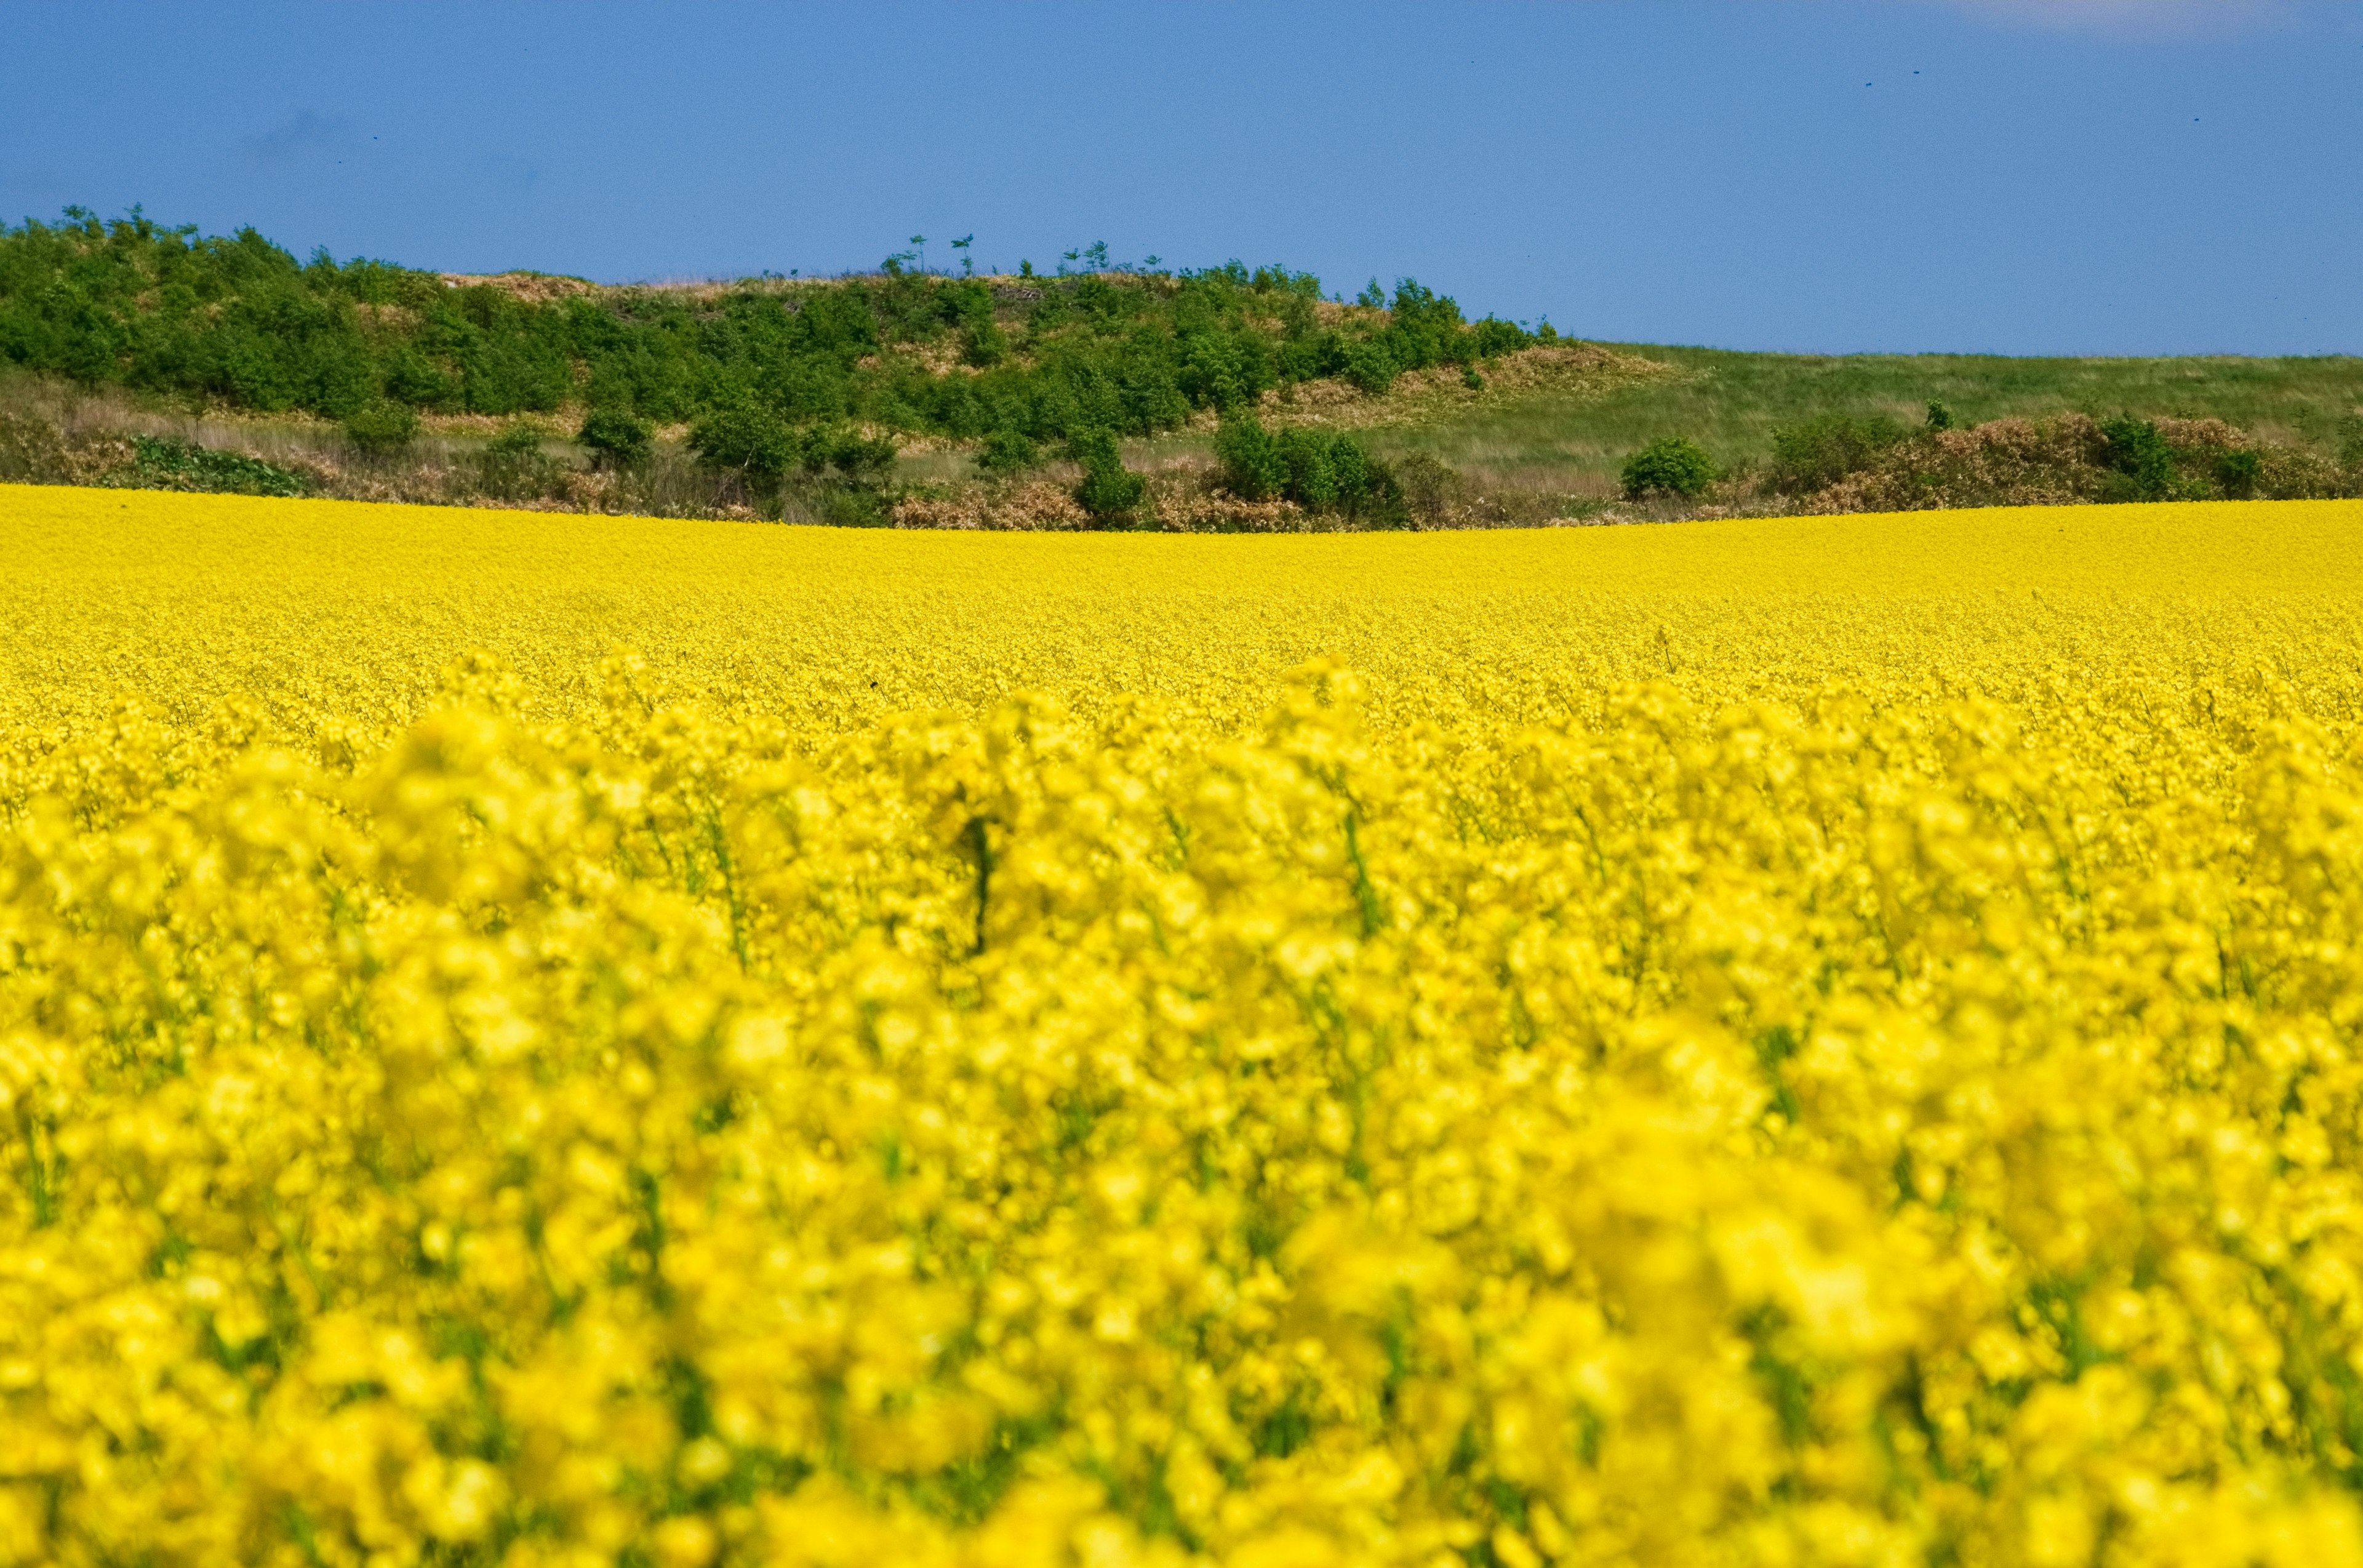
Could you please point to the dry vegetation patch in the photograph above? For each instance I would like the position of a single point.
(1577, 370)
(533, 288)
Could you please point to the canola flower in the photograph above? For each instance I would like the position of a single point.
(585, 1040)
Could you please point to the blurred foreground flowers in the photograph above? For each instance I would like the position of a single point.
(1858, 1128)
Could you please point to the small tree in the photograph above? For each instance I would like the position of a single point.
(2143, 458)
(748, 439)
(1110, 492)
(1253, 469)
(381, 427)
(2237, 474)
(1675, 465)
(617, 437)
(1821, 452)
(513, 467)
(1006, 452)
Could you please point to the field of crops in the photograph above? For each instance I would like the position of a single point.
(582, 1040)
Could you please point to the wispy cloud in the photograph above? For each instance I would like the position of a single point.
(2150, 18)
(305, 131)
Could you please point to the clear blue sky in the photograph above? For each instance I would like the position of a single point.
(2072, 176)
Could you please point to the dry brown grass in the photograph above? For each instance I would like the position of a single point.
(1033, 505)
(534, 288)
(2059, 461)
(1574, 371)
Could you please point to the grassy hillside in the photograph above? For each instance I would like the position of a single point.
(1733, 403)
(128, 352)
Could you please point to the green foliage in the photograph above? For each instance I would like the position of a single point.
(2141, 456)
(1252, 468)
(1007, 451)
(1821, 452)
(843, 478)
(1371, 366)
(1430, 489)
(1318, 471)
(1110, 492)
(515, 467)
(185, 465)
(1940, 417)
(2239, 472)
(239, 320)
(747, 439)
(382, 426)
(617, 437)
(1672, 465)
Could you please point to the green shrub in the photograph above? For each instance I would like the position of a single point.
(1367, 489)
(617, 437)
(867, 461)
(1430, 489)
(983, 344)
(2237, 474)
(1320, 473)
(1312, 476)
(1110, 492)
(1253, 469)
(185, 465)
(1818, 453)
(1006, 452)
(1940, 416)
(845, 506)
(1370, 366)
(381, 427)
(1674, 465)
(2142, 459)
(746, 439)
(513, 467)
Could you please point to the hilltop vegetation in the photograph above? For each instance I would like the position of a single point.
(239, 319)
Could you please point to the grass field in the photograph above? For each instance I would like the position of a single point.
(538, 1039)
(1732, 401)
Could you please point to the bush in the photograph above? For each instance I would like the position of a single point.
(746, 439)
(1366, 489)
(1253, 469)
(1110, 492)
(381, 427)
(1430, 489)
(513, 467)
(1940, 416)
(185, 465)
(2237, 474)
(1319, 472)
(1818, 453)
(1006, 452)
(983, 344)
(617, 437)
(1370, 366)
(1675, 465)
(2139, 454)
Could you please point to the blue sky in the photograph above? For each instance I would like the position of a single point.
(2017, 176)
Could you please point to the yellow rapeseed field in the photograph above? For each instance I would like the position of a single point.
(558, 1040)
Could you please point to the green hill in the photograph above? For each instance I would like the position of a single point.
(992, 400)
